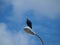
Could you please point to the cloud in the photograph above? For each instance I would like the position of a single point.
(47, 8)
(41, 8)
(7, 38)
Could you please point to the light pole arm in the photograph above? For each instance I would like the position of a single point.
(40, 39)
(29, 30)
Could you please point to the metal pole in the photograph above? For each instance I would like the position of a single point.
(40, 39)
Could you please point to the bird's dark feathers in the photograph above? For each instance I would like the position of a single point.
(29, 23)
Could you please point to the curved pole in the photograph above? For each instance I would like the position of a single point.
(40, 39)
(29, 30)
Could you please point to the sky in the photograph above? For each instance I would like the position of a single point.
(44, 15)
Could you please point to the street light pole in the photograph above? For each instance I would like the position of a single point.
(40, 39)
(28, 29)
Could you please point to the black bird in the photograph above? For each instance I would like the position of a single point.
(29, 23)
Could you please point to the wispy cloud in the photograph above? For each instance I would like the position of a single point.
(7, 38)
(46, 8)
(41, 8)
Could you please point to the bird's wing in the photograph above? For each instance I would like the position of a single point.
(29, 23)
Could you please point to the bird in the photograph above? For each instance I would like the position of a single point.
(28, 28)
(29, 23)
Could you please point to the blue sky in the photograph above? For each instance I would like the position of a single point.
(45, 17)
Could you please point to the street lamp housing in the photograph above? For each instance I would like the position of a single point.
(28, 30)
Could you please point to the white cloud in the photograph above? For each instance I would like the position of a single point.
(7, 38)
(48, 8)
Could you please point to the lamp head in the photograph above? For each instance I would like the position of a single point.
(28, 30)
